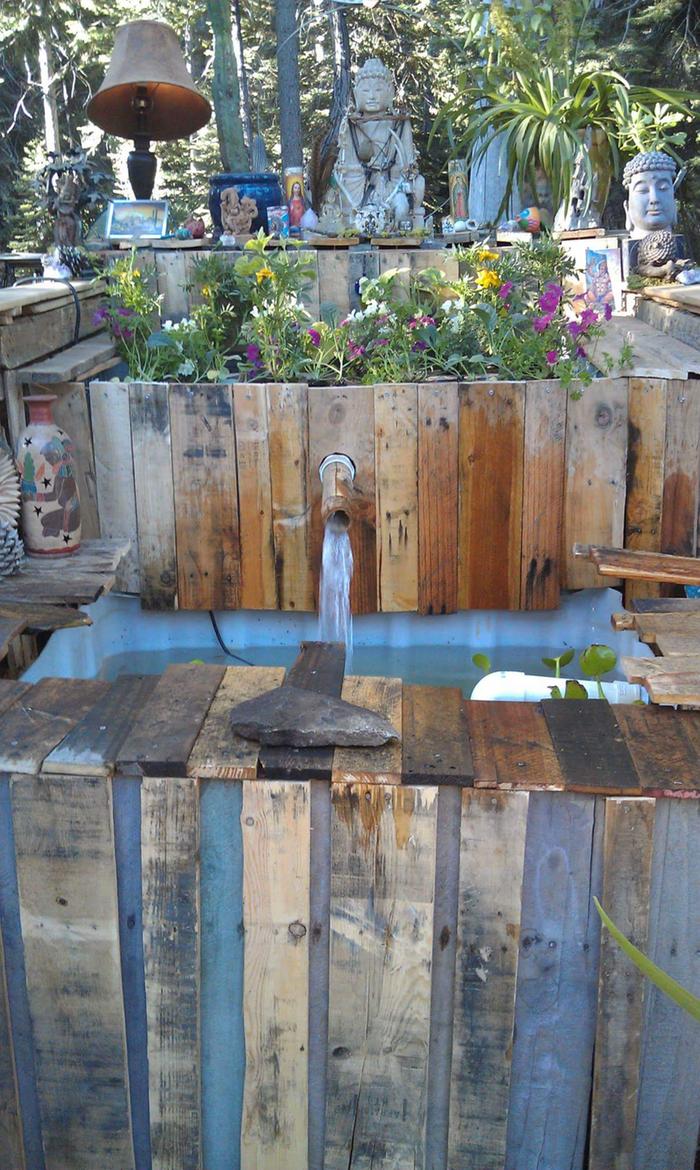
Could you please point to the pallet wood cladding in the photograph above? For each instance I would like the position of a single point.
(467, 496)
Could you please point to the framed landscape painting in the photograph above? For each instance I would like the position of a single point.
(137, 219)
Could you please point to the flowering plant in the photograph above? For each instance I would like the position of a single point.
(270, 282)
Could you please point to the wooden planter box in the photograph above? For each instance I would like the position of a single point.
(470, 496)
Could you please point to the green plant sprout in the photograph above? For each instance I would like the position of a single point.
(597, 660)
(660, 978)
(559, 661)
(482, 662)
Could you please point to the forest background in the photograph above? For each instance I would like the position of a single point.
(280, 73)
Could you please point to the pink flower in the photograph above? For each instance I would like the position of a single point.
(505, 290)
(427, 320)
(541, 323)
(552, 357)
(607, 312)
(315, 337)
(379, 341)
(413, 324)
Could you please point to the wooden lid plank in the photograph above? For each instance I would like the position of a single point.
(511, 746)
(664, 746)
(165, 731)
(42, 717)
(217, 751)
(92, 747)
(378, 765)
(435, 737)
(590, 747)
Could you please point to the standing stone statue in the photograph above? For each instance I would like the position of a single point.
(375, 184)
(651, 217)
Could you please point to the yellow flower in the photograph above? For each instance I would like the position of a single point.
(486, 254)
(485, 278)
(263, 273)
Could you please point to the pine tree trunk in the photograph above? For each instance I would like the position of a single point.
(225, 89)
(288, 82)
(341, 76)
(242, 75)
(52, 131)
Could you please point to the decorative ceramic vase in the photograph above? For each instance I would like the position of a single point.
(50, 503)
(263, 188)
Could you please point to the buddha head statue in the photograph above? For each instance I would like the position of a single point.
(651, 201)
(374, 88)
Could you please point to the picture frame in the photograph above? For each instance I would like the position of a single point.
(137, 219)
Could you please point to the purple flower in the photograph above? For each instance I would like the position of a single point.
(580, 351)
(122, 334)
(355, 349)
(252, 353)
(505, 290)
(607, 312)
(588, 317)
(550, 298)
(379, 341)
(552, 357)
(100, 315)
(541, 323)
(418, 346)
(315, 337)
(413, 323)
(427, 320)
(576, 328)
(125, 312)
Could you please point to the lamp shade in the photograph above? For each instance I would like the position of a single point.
(147, 63)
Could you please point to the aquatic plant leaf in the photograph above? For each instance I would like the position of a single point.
(574, 690)
(482, 662)
(597, 659)
(660, 978)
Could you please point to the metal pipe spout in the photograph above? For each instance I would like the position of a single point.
(338, 500)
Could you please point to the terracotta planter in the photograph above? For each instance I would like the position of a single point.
(50, 503)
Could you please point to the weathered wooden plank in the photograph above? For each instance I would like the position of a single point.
(652, 626)
(491, 430)
(594, 483)
(22, 341)
(77, 580)
(287, 413)
(665, 605)
(435, 737)
(381, 765)
(70, 412)
(318, 667)
(511, 746)
(114, 473)
(258, 579)
(557, 989)
(164, 733)
(629, 828)
(438, 512)
(92, 747)
(643, 566)
(681, 471)
(341, 418)
(41, 718)
(543, 494)
(590, 747)
(382, 891)
(11, 1143)
(45, 618)
(217, 752)
(11, 691)
(68, 902)
(334, 283)
(665, 747)
(10, 628)
(396, 456)
(205, 494)
(645, 473)
(319, 962)
(667, 1120)
(490, 880)
(153, 483)
(170, 876)
(654, 355)
(276, 838)
(171, 277)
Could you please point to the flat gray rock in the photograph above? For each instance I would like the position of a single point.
(291, 716)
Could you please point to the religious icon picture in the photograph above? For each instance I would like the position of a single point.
(294, 194)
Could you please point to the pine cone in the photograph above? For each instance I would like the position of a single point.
(11, 550)
(9, 490)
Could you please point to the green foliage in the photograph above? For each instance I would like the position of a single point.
(597, 660)
(482, 662)
(572, 690)
(559, 661)
(660, 978)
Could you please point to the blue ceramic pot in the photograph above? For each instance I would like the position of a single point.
(263, 188)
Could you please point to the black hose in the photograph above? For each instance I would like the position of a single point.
(223, 645)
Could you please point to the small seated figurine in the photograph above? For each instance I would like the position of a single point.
(651, 217)
(375, 183)
(237, 214)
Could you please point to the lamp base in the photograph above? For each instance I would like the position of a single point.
(142, 165)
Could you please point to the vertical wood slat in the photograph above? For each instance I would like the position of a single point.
(490, 880)
(396, 459)
(206, 497)
(288, 428)
(595, 477)
(543, 489)
(382, 892)
(557, 988)
(171, 278)
(491, 435)
(70, 411)
(645, 474)
(275, 821)
(68, 904)
(153, 484)
(334, 282)
(258, 581)
(114, 473)
(681, 470)
(667, 1116)
(342, 419)
(629, 827)
(11, 1143)
(170, 877)
(438, 475)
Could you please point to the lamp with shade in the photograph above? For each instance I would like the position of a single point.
(147, 95)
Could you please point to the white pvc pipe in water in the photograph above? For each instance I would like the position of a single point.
(530, 688)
